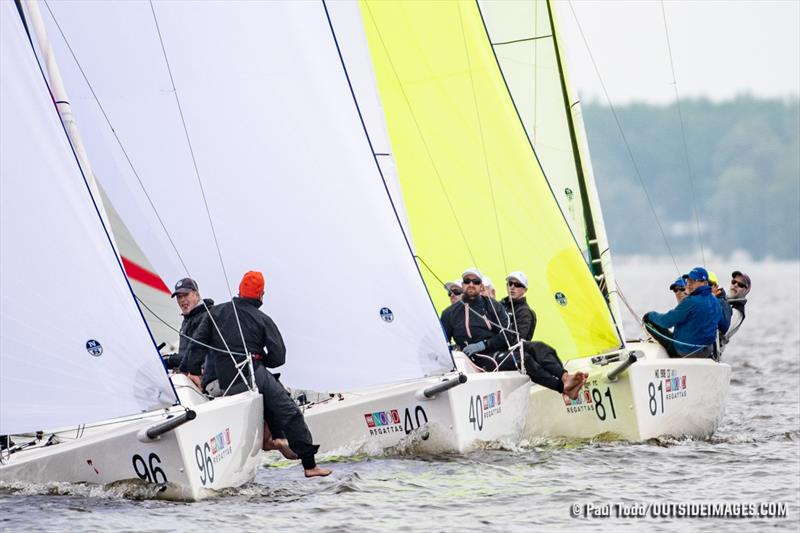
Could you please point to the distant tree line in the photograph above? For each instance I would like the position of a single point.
(745, 164)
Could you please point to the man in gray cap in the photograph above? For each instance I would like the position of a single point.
(737, 298)
(193, 308)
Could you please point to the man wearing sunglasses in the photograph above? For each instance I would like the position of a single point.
(695, 320)
(737, 297)
(541, 360)
(454, 290)
(679, 288)
(478, 324)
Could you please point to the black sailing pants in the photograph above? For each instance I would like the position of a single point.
(541, 364)
(282, 415)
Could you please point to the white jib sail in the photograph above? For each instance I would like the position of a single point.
(73, 345)
(291, 184)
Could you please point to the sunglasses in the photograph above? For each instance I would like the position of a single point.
(516, 284)
(455, 292)
(678, 290)
(738, 284)
(474, 281)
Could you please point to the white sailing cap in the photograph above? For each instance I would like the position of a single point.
(487, 282)
(474, 271)
(519, 276)
(454, 283)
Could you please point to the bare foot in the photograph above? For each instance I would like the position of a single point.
(282, 445)
(318, 471)
(573, 383)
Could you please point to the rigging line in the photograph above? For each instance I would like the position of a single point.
(486, 165)
(203, 194)
(624, 139)
(683, 136)
(429, 269)
(422, 137)
(181, 334)
(125, 153)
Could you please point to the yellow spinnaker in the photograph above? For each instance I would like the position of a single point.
(474, 191)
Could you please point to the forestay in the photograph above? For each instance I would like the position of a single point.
(526, 40)
(73, 345)
(290, 182)
(474, 191)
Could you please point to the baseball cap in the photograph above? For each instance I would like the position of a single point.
(743, 276)
(450, 284)
(487, 282)
(677, 284)
(519, 276)
(697, 274)
(184, 286)
(474, 271)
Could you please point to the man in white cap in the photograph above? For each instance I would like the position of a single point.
(541, 360)
(478, 324)
(454, 290)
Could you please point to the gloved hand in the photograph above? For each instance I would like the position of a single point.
(470, 349)
(172, 360)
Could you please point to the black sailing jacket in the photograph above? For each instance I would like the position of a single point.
(484, 315)
(260, 333)
(523, 319)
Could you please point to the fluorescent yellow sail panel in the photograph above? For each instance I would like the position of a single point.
(474, 192)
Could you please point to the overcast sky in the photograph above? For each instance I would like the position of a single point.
(720, 48)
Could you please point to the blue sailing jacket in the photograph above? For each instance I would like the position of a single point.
(695, 320)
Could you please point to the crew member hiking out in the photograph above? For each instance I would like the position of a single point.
(695, 320)
(263, 342)
(541, 360)
(193, 308)
(477, 324)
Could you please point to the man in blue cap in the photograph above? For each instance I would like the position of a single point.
(694, 320)
(679, 288)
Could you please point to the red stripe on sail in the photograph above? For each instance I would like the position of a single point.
(142, 275)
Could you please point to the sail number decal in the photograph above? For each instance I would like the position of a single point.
(654, 402)
(204, 463)
(420, 417)
(599, 408)
(149, 470)
(483, 407)
(476, 412)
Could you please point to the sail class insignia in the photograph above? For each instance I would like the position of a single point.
(561, 298)
(386, 314)
(94, 348)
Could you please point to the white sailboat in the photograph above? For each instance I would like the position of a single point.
(482, 119)
(84, 397)
(279, 160)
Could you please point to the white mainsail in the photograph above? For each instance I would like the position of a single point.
(290, 181)
(73, 345)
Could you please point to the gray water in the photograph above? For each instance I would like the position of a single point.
(754, 458)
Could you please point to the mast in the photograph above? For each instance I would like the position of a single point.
(595, 261)
(64, 109)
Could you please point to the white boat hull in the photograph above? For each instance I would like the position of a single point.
(217, 450)
(489, 407)
(656, 396)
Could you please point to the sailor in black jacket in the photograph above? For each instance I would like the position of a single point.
(193, 308)
(478, 324)
(262, 342)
